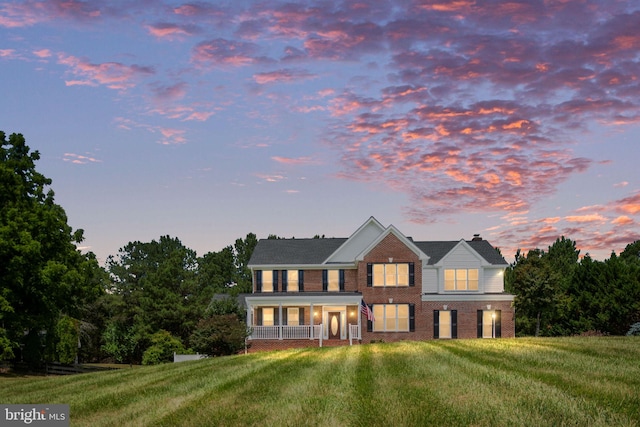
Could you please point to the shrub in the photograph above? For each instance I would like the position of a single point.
(162, 348)
(67, 343)
(219, 335)
(634, 329)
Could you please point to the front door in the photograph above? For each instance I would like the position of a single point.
(334, 325)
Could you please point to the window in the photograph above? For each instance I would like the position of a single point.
(267, 281)
(292, 281)
(391, 317)
(461, 279)
(489, 323)
(293, 315)
(445, 323)
(267, 317)
(333, 280)
(390, 274)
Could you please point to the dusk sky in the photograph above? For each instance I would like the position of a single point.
(517, 120)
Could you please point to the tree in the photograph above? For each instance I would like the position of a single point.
(533, 281)
(217, 272)
(156, 289)
(243, 251)
(41, 269)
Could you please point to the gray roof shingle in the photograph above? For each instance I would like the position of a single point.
(438, 249)
(316, 251)
(294, 251)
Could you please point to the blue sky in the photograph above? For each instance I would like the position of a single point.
(518, 120)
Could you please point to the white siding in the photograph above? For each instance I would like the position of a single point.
(493, 280)
(429, 280)
(461, 257)
(357, 243)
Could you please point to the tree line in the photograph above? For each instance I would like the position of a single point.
(558, 293)
(150, 299)
(154, 298)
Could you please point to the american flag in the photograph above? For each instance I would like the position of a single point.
(366, 311)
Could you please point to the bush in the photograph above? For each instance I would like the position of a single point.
(67, 343)
(162, 348)
(635, 329)
(219, 335)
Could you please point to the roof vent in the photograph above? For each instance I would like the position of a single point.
(476, 238)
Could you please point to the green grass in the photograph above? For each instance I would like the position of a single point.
(507, 382)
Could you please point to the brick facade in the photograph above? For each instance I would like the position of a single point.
(391, 249)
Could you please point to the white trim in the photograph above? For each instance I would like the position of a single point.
(408, 243)
(467, 297)
(298, 298)
(371, 220)
(462, 242)
(343, 266)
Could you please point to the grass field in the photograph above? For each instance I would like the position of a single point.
(507, 382)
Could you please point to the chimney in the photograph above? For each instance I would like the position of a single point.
(476, 238)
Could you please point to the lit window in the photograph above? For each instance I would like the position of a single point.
(333, 280)
(461, 279)
(391, 317)
(267, 281)
(391, 274)
(267, 317)
(293, 316)
(488, 323)
(292, 281)
(445, 324)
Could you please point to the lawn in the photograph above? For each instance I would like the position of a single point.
(592, 381)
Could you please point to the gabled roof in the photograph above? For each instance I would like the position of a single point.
(392, 230)
(438, 249)
(294, 251)
(314, 252)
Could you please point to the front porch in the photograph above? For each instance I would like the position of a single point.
(286, 320)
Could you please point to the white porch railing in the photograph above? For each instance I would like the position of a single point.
(286, 332)
(354, 333)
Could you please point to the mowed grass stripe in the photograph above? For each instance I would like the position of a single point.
(605, 388)
(565, 381)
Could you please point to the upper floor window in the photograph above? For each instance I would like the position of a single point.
(292, 281)
(267, 281)
(333, 280)
(386, 275)
(461, 279)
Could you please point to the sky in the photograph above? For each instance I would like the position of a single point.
(516, 120)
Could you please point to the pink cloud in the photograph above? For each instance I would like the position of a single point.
(172, 136)
(8, 53)
(629, 205)
(79, 159)
(165, 30)
(282, 76)
(586, 218)
(114, 75)
(294, 161)
(222, 52)
(32, 12)
(622, 220)
(42, 53)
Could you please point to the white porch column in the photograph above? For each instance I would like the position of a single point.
(359, 320)
(311, 322)
(249, 317)
(280, 321)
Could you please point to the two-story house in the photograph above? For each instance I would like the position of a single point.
(375, 285)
